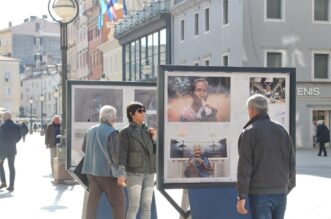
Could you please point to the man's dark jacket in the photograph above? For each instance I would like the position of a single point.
(266, 158)
(10, 134)
(322, 134)
(50, 135)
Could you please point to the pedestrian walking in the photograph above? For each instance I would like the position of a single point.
(52, 131)
(137, 161)
(266, 167)
(100, 164)
(24, 130)
(10, 134)
(322, 137)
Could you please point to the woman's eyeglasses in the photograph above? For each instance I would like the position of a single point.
(141, 111)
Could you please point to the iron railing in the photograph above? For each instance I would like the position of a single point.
(139, 17)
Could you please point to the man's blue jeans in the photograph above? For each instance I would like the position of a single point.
(267, 206)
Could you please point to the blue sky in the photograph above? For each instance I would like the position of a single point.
(17, 11)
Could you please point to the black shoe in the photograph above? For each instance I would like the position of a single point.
(318, 155)
(3, 185)
(10, 189)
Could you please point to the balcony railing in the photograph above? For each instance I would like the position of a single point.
(139, 17)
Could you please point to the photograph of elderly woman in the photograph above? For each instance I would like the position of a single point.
(198, 99)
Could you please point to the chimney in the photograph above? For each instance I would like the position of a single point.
(44, 16)
(26, 20)
(33, 18)
(10, 24)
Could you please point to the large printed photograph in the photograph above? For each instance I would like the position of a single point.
(198, 99)
(88, 102)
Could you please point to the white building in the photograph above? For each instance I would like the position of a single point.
(37, 85)
(263, 33)
(10, 85)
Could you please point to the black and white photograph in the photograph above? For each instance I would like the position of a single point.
(147, 98)
(88, 102)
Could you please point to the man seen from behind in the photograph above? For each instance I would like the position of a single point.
(266, 167)
(10, 134)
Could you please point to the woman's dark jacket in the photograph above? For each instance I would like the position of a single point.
(137, 150)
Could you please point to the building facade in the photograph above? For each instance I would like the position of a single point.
(263, 33)
(39, 84)
(36, 43)
(10, 85)
(145, 37)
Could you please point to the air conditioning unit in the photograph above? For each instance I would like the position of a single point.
(6, 79)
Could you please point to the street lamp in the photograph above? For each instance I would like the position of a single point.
(56, 95)
(41, 98)
(31, 102)
(63, 12)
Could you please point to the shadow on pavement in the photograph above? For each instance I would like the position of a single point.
(5, 194)
(308, 163)
(55, 207)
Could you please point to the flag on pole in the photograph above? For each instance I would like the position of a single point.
(111, 10)
(103, 9)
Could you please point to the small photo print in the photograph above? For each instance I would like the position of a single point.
(272, 88)
(185, 148)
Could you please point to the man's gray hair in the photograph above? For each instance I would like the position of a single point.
(107, 113)
(259, 103)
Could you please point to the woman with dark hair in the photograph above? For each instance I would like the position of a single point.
(137, 161)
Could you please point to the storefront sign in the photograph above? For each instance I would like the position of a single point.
(311, 91)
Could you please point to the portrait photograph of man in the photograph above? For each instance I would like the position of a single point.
(198, 99)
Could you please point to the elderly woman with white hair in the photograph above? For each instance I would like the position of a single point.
(100, 164)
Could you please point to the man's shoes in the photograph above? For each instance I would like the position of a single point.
(318, 155)
(10, 189)
(3, 185)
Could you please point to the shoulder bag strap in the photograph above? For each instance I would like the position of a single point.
(102, 149)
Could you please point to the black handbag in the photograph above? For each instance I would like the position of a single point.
(79, 176)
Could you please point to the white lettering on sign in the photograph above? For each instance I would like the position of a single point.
(311, 91)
